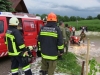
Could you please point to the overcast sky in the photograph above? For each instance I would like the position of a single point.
(82, 8)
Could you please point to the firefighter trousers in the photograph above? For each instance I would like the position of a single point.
(66, 47)
(16, 61)
(49, 66)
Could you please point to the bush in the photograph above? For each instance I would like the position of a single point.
(69, 64)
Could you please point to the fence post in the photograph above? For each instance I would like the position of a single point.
(82, 71)
(87, 57)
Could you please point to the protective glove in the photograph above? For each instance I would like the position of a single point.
(29, 52)
(26, 53)
(60, 57)
(39, 53)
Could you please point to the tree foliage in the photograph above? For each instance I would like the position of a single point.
(98, 16)
(66, 19)
(5, 6)
(71, 18)
(89, 18)
(43, 16)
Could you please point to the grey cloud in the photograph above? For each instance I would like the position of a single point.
(76, 8)
(98, 1)
(73, 13)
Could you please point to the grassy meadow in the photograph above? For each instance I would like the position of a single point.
(92, 25)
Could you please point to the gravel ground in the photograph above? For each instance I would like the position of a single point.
(4, 65)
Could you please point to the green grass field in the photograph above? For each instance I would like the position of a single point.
(92, 25)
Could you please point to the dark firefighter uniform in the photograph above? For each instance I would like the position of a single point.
(16, 46)
(50, 41)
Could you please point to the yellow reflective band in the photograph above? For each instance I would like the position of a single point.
(26, 67)
(39, 49)
(38, 43)
(24, 55)
(14, 54)
(14, 70)
(21, 46)
(13, 45)
(6, 42)
(48, 34)
(61, 47)
(10, 36)
(49, 57)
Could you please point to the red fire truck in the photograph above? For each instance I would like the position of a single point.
(29, 26)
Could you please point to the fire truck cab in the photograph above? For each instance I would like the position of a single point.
(29, 27)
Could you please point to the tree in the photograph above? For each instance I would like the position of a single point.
(38, 15)
(82, 18)
(60, 18)
(89, 18)
(43, 16)
(5, 6)
(95, 18)
(72, 18)
(98, 16)
(66, 18)
(78, 18)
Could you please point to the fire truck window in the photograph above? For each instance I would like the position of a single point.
(1, 27)
(29, 26)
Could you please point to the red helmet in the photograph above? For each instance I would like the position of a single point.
(51, 17)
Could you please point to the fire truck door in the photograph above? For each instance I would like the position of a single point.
(30, 33)
(3, 28)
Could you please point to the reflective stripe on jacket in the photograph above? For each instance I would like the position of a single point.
(14, 41)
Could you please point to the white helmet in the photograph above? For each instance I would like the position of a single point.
(13, 21)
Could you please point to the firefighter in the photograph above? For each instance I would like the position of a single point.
(67, 36)
(82, 36)
(62, 28)
(16, 48)
(50, 41)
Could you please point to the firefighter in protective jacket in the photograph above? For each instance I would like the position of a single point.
(50, 41)
(16, 48)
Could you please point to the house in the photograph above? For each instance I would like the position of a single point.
(19, 6)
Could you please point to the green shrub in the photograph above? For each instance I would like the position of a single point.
(69, 64)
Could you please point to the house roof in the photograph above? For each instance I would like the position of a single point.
(19, 6)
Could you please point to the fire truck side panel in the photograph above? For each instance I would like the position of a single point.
(30, 32)
(29, 26)
(3, 28)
